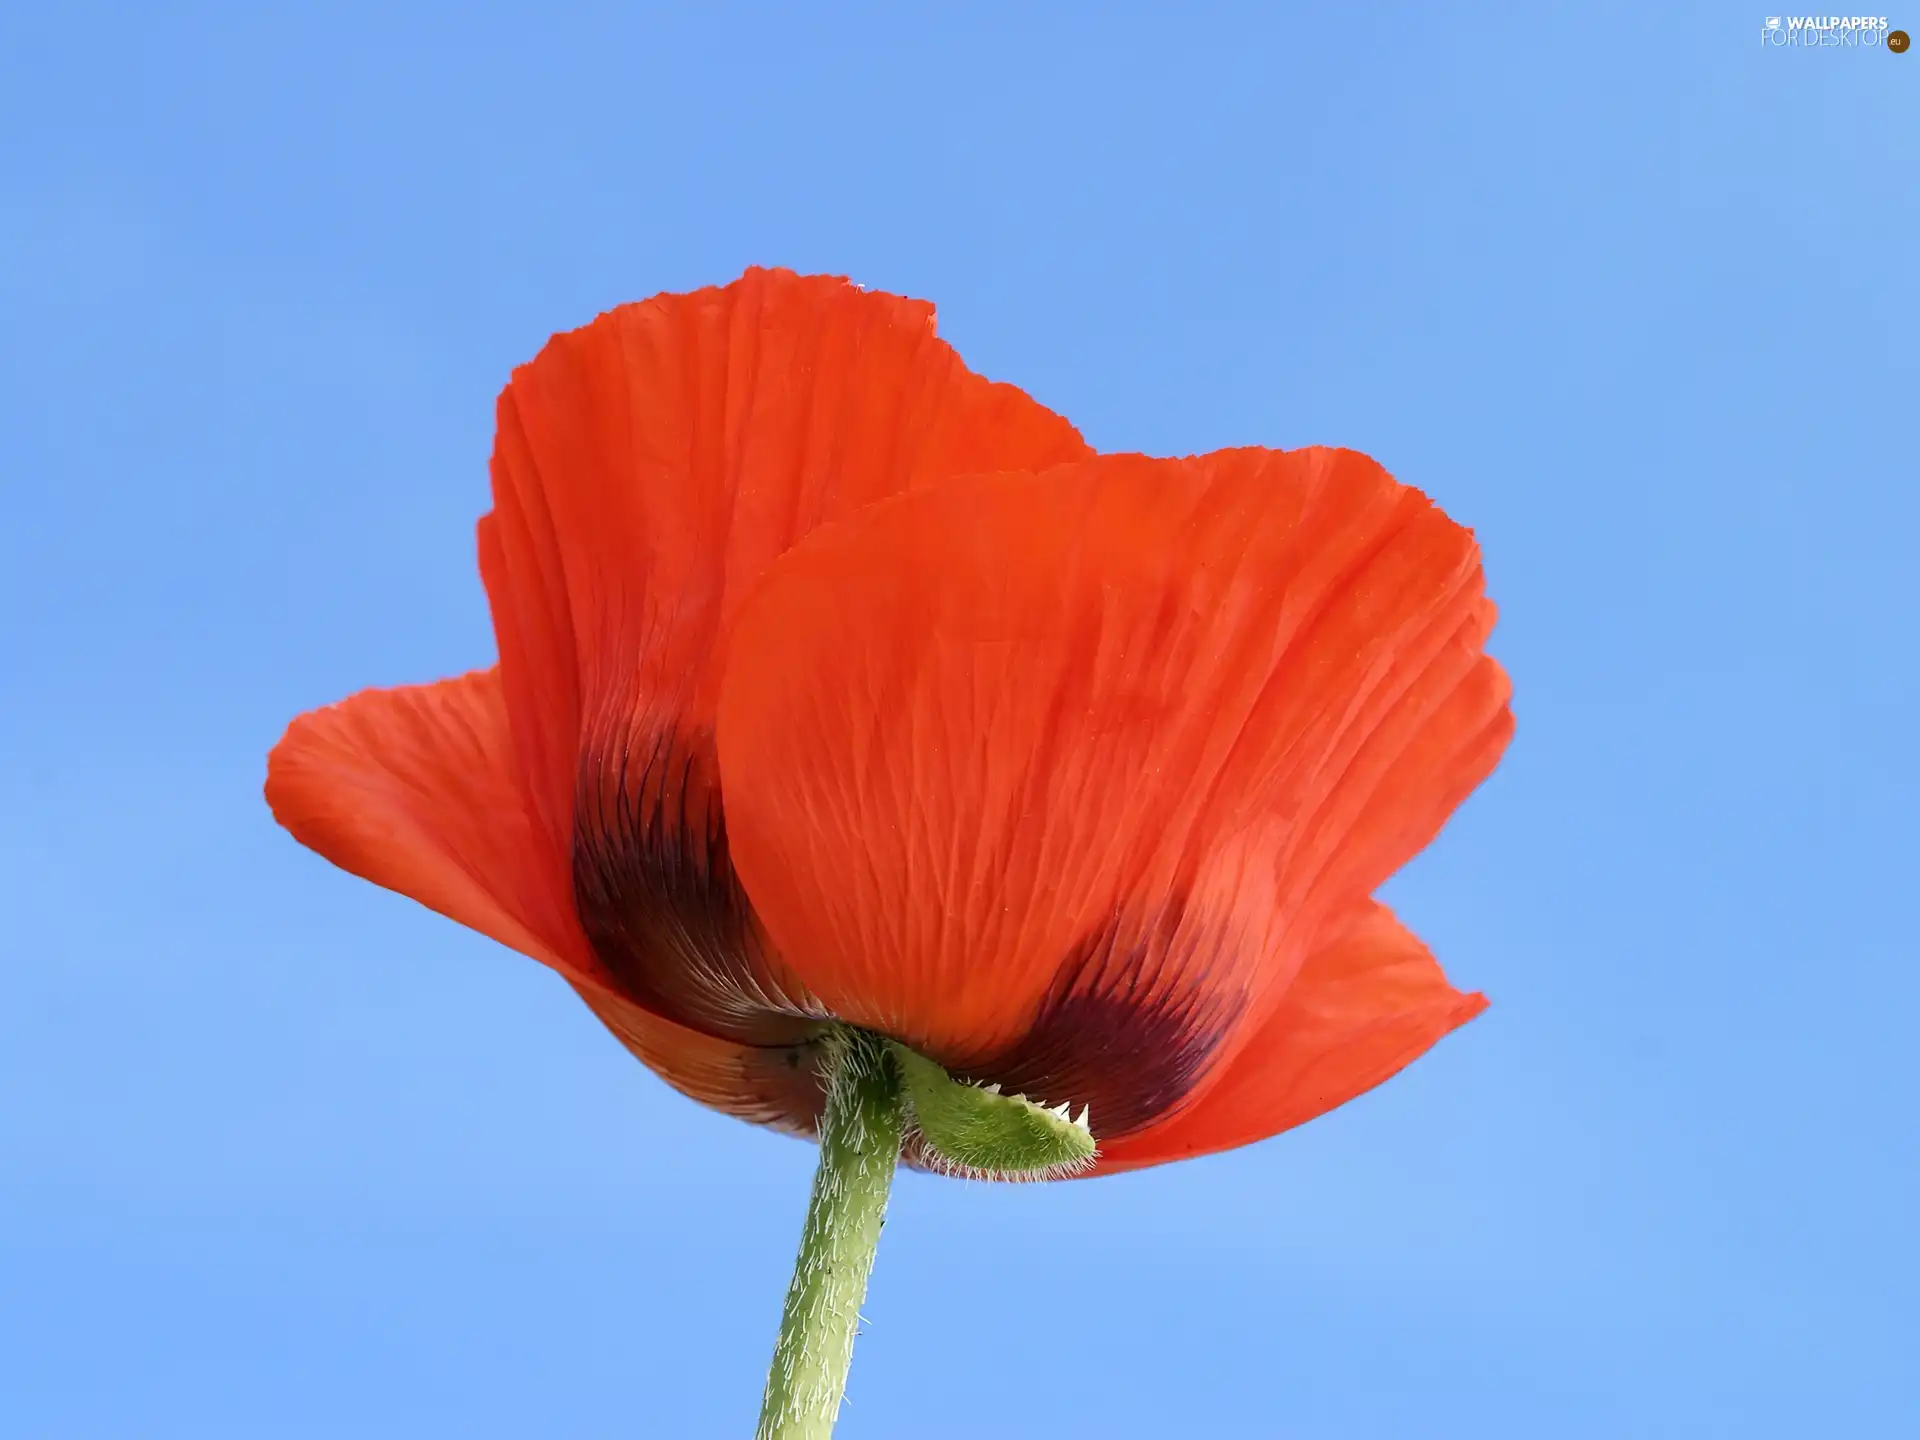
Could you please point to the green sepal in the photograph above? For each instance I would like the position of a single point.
(976, 1131)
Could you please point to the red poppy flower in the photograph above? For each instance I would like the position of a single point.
(837, 683)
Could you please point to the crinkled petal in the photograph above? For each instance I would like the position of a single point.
(1056, 777)
(648, 468)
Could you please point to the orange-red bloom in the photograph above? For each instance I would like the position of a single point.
(838, 683)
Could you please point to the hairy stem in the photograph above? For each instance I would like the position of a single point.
(859, 1147)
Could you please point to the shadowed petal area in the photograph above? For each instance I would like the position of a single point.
(412, 788)
(1365, 1004)
(1055, 778)
(768, 1085)
(648, 468)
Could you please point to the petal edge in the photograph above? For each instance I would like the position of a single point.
(1367, 1003)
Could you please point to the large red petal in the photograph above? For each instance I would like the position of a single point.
(648, 468)
(1057, 777)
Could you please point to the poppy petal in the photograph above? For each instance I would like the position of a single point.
(1367, 1002)
(413, 789)
(648, 468)
(1056, 777)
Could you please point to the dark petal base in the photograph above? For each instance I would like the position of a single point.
(659, 900)
(1129, 1028)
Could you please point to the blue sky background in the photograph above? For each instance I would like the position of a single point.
(282, 1155)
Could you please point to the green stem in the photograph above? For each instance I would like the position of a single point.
(859, 1147)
